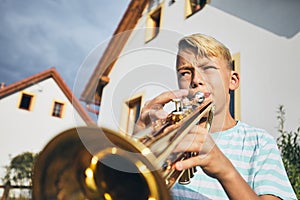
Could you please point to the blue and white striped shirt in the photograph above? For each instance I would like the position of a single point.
(254, 154)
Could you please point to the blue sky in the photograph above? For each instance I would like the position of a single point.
(38, 34)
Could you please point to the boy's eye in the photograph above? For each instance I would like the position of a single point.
(184, 73)
(208, 67)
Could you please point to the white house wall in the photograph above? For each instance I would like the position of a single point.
(269, 65)
(24, 130)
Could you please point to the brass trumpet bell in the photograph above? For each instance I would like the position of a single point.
(88, 163)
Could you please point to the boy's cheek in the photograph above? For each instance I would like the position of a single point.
(184, 84)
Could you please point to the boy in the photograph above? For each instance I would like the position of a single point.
(242, 162)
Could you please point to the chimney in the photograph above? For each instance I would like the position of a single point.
(2, 85)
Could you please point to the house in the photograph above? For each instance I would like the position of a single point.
(33, 111)
(139, 61)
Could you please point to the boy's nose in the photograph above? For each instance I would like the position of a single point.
(197, 80)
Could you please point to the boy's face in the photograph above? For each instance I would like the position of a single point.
(208, 75)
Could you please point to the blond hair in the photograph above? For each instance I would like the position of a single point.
(206, 46)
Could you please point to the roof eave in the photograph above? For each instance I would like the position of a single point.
(49, 73)
(122, 33)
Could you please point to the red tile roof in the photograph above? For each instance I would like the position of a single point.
(50, 73)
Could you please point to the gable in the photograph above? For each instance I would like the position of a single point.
(46, 75)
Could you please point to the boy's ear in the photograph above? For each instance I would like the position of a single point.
(234, 80)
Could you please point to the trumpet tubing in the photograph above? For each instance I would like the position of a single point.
(98, 163)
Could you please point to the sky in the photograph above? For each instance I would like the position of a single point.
(38, 34)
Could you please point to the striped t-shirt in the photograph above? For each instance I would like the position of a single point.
(254, 154)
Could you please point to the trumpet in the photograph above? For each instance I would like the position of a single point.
(97, 163)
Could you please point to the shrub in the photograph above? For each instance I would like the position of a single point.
(288, 144)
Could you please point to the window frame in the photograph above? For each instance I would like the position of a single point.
(152, 28)
(235, 96)
(62, 110)
(31, 102)
(130, 111)
(189, 10)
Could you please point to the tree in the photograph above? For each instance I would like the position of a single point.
(19, 172)
(288, 144)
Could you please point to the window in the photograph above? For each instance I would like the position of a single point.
(134, 108)
(26, 101)
(235, 95)
(154, 3)
(58, 109)
(193, 6)
(153, 24)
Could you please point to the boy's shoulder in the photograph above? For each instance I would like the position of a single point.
(252, 131)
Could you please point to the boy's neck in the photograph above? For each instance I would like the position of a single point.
(222, 123)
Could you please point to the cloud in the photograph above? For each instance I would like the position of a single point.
(37, 35)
